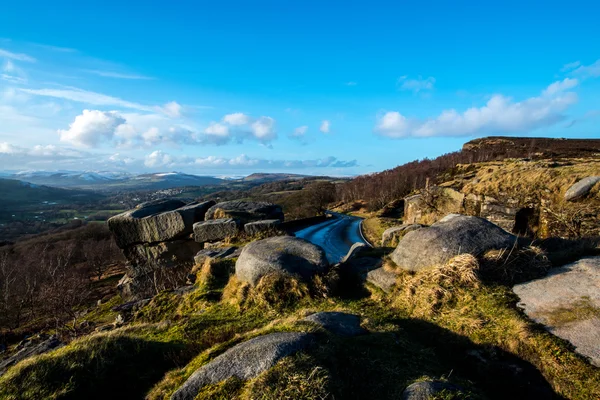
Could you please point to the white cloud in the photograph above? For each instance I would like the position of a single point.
(560, 86)
(237, 119)
(263, 129)
(16, 56)
(7, 148)
(570, 66)
(351, 83)
(592, 70)
(13, 74)
(172, 109)
(91, 128)
(300, 131)
(416, 85)
(325, 126)
(118, 75)
(84, 96)
(500, 115)
(158, 159)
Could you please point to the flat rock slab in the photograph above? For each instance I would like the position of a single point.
(215, 230)
(245, 211)
(340, 323)
(256, 227)
(567, 302)
(30, 350)
(215, 254)
(156, 221)
(382, 278)
(453, 235)
(244, 361)
(581, 188)
(280, 254)
(427, 390)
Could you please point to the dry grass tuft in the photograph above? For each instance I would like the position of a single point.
(511, 266)
(425, 292)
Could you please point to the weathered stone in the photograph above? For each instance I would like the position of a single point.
(567, 302)
(213, 254)
(454, 234)
(354, 251)
(244, 361)
(245, 211)
(432, 203)
(280, 254)
(215, 230)
(426, 390)
(581, 188)
(340, 323)
(500, 213)
(144, 258)
(392, 236)
(382, 278)
(257, 227)
(156, 222)
(30, 349)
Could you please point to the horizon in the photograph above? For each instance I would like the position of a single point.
(310, 88)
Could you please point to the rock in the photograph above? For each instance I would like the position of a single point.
(392, 236)
(382, 278)
(340, 323)
(257, 227)
(219, 253)
(245, 211)
(244, 361)
(131, 305)
(283, 254)
(354, 251)
(454, 234)
(144, 258)
(581, 188)
(156, 222)
(30, 349)
(567, 302)
(426, 390)
(215, 230)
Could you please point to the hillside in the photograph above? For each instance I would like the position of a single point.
(15, 194)
(381, 188)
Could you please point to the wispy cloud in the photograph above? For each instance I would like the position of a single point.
(16, 56)
(118, 75)
(325, 126)
(351, 83)
(570, 66)
(588, 71)
(416, 85)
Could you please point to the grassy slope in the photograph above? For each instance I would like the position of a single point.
(414, 333)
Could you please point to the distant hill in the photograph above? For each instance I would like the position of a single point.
(108, 181)
(15, 193)
(272, 177)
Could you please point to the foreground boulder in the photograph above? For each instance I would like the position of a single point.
(340, 323)
(582, 188)
(454, 234)
(245, 211)
(281, 254)
(371, 270)
(426, 390)
(215, 230)
(244, 361)
(156, 221)
(567, 302)
(392, 236)
(30, 349)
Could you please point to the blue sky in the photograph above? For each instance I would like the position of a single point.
(235, 87)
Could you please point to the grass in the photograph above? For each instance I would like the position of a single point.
(449, 322)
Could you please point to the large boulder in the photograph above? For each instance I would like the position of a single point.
(340, 323)
(265, 226)
(454, 234)
(245, 211)
(156, 221)
(244, 361)
(567, 302)
(371, 270)
(392, 236)
(581, 188)
(215, 230)
(281, 254)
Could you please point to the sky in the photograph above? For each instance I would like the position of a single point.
(314, 87)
